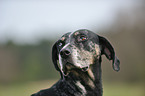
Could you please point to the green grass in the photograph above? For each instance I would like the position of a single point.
(113, 89)
(24, 89)
(123, 89)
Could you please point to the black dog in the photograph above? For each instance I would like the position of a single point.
(77, 56)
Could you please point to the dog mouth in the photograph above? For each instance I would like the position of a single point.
(71, 67)
(85, 68)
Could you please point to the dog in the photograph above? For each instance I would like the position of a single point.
(77, 56)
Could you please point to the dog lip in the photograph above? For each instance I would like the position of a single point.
(68, 63)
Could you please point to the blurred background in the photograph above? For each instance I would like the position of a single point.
(29, 28)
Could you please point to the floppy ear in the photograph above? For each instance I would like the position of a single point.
(55, 56)
(108, 50)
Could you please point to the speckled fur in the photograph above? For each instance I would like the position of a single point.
(77, 56)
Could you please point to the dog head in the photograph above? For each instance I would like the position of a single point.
(79, 50)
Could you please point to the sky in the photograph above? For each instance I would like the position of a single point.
(28, 21)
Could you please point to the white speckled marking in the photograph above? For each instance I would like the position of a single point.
(82, 88)
(60, 63)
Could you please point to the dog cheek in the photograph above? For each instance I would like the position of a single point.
(97, 49)
(91, 60)
(75, 55)
(88, 58)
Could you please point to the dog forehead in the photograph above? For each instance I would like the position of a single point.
(65, 36)
(86, 32)
(71, 36)
(81, 31)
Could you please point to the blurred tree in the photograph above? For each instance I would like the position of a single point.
(128, 35)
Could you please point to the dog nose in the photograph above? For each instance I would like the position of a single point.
(65, 53)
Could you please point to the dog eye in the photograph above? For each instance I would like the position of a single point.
(60, 44)
(82, 38)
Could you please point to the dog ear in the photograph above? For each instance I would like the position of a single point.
(108, 50)
(55, 56)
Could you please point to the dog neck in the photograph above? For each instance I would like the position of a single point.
(89, 83)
